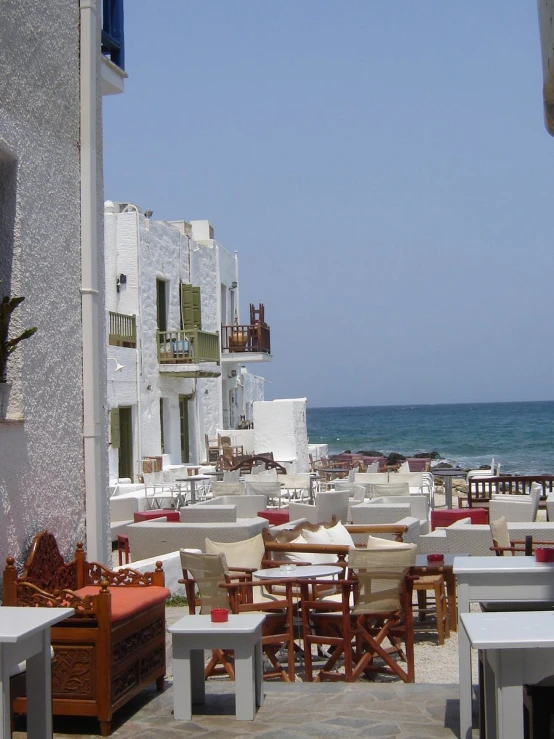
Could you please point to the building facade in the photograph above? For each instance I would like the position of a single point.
(172, 308)
(53, 432)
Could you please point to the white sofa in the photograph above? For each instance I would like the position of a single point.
(149, 539)
(122, 510)
(463, 537)
(246, 506)
(418, 507)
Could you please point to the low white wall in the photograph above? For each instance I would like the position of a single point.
(280, 427)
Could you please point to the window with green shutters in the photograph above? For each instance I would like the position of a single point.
(191, 316)
(114, 428)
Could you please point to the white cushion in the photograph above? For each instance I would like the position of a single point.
(321, 536)
(374, 542)
(315, 559)
(339, 535)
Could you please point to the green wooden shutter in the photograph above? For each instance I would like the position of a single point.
(114, 426)
(191, 316)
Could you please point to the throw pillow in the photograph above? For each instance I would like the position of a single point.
(374, 542)
(339, 535)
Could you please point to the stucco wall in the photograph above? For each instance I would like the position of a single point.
(41, 459)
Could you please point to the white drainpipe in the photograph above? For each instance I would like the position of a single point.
(96, 545)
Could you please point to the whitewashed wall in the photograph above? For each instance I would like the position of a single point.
(142, 250)
(280, 427)
(41, 457)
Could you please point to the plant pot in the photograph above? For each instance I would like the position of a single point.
(5, 389)
(237, 340)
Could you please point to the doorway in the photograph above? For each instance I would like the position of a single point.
(126, 443)
(184, 425)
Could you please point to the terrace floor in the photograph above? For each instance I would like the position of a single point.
(300, 710)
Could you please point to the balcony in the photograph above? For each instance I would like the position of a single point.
(249, 342)
(123, 330)
(113, 47)
(179, 351)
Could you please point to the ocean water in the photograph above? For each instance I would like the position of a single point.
(520, 436)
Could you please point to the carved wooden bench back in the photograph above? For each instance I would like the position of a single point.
(45, 566)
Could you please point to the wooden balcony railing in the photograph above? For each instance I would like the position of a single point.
(123, 330)
(246, 338)
(188, 347)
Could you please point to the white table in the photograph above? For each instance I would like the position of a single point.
(490, 579)
(509, 641)
(25, 635)
(299, 572)
(191, 635)
(192, 479)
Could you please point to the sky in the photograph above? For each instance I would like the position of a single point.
(383, 171)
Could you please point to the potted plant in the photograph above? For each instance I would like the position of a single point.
(7, 346)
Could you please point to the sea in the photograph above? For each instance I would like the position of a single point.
(519, 436)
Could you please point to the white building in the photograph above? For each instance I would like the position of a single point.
(175, 343)
(53, 436)
(546, 28)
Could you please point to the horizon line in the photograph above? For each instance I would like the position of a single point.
(421, 405)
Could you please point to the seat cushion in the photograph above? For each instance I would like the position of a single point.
(128, 600)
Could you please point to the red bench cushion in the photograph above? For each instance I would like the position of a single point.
(128, 600)
(447, 517)
(170, 514)
(275, 518)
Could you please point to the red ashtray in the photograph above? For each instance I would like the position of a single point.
(219, 615)
(435, 557)
(544, 554)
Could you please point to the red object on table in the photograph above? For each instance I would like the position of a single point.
(446, 517)
(544, 554)
(219, 615)
(171, 514)
(435, 557)
(275, 518)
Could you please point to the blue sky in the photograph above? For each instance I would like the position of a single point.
(383, 171)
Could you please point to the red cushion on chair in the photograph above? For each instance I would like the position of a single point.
(128, 600)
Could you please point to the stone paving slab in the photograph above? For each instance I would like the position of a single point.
(290, 711)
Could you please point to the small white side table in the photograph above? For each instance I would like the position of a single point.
(518, 648)
(25, 635)
(192, 635)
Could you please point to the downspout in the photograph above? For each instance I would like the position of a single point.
(97, 545)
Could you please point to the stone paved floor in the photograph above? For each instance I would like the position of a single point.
(387, 711)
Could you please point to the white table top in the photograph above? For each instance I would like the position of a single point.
(510, 630)
(193, 477)
(509, 564)
(245, 623)
(18, 623)
(312, 571)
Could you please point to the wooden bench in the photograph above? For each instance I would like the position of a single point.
(112, 647)
(480, 489)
